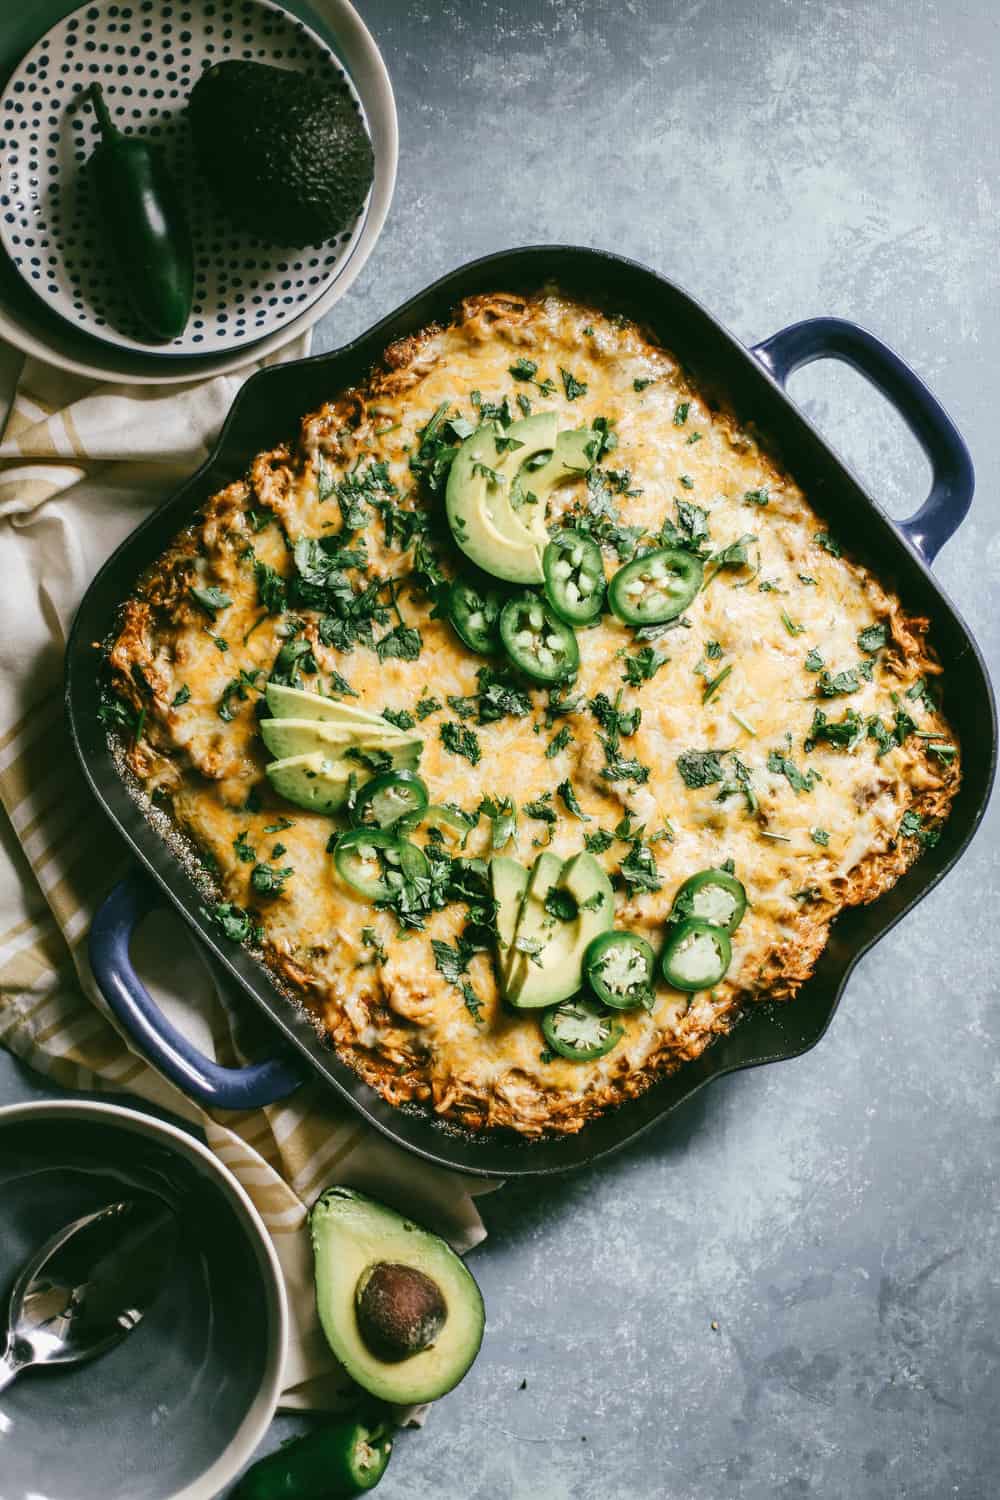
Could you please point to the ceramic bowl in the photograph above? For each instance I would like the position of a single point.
(175, 1411)
(56, 299)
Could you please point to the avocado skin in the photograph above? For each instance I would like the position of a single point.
(288, 155)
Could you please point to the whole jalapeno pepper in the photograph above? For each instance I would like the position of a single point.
(329, 1464)
(144, 225)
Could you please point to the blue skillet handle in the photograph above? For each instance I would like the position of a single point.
(953, 479)
(203, 1080)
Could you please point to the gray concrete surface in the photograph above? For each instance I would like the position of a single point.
(836, 1217)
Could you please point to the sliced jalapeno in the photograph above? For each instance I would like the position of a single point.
(580, 1029)
(475, 616)
(712, 896)
(619, 969)
(539, 645)
(375, 863)
(655, 588)
(438, 820)
(574, 577)
(696, 956)
(332, 1462)
(388, 797)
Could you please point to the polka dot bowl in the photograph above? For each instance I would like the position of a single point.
(249, 297)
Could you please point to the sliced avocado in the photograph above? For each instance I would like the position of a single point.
(533, 921)
(508, 881)
(305, 177)
(557, 971)
(295, 703)
(569, 457)
(284, 737)
(398, 1307)
(503, 541)
(499, 486)
(317, 782)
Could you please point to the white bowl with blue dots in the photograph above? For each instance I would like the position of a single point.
(249, 297)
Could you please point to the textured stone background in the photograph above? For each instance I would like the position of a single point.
(836, 1216)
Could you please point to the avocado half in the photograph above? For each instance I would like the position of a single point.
(287, 154)
(358, 1245)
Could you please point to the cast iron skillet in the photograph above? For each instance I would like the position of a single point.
(268, 408)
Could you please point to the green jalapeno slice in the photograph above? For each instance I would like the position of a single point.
(443, 824)
(388, 797)
(475, 616)
(656, 587)
(696, 956)
(541, 646)
(574, 577)
(619, 969)
(580, 1029)
(712, 896)
(333, 1462)
(375, 863)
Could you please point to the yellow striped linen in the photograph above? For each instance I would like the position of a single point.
(80, 465)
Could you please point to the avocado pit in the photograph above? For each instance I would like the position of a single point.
(400, 1310)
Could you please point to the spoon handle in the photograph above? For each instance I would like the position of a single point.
(10, 1365)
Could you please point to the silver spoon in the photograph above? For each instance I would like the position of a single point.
(89, 1285)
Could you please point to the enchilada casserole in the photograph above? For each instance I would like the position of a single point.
(527, 721)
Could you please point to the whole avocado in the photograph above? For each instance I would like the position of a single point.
(288, 155)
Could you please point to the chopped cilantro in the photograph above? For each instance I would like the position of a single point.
(639, 869)
(182, 696)
(643, 665)
(873, 638)
(699, 767)
(640, 383)
(502, 813)
(560, 904)
(425, 707)
(711, 688)
(238, 688)
(268, 881)
(756, 497)
(819, 836)
(244, 852)
(828, 543)
(841, 682)
(271, 587)
(570, 801)
(598, 841)
(403, 642)
(211, 600)
(914, 827)
(780, 764)
(523, 369)
(842, 735)
(237, 925)
(460, 741)
(571, 385)
(681, 413)
(814, 662)
(558, 742)
(790, 625)
(401, 717)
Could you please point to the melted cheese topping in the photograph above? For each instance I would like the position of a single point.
(809, 831)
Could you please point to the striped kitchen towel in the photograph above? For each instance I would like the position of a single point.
(80, 465)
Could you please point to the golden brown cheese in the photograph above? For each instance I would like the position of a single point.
(803, 852)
